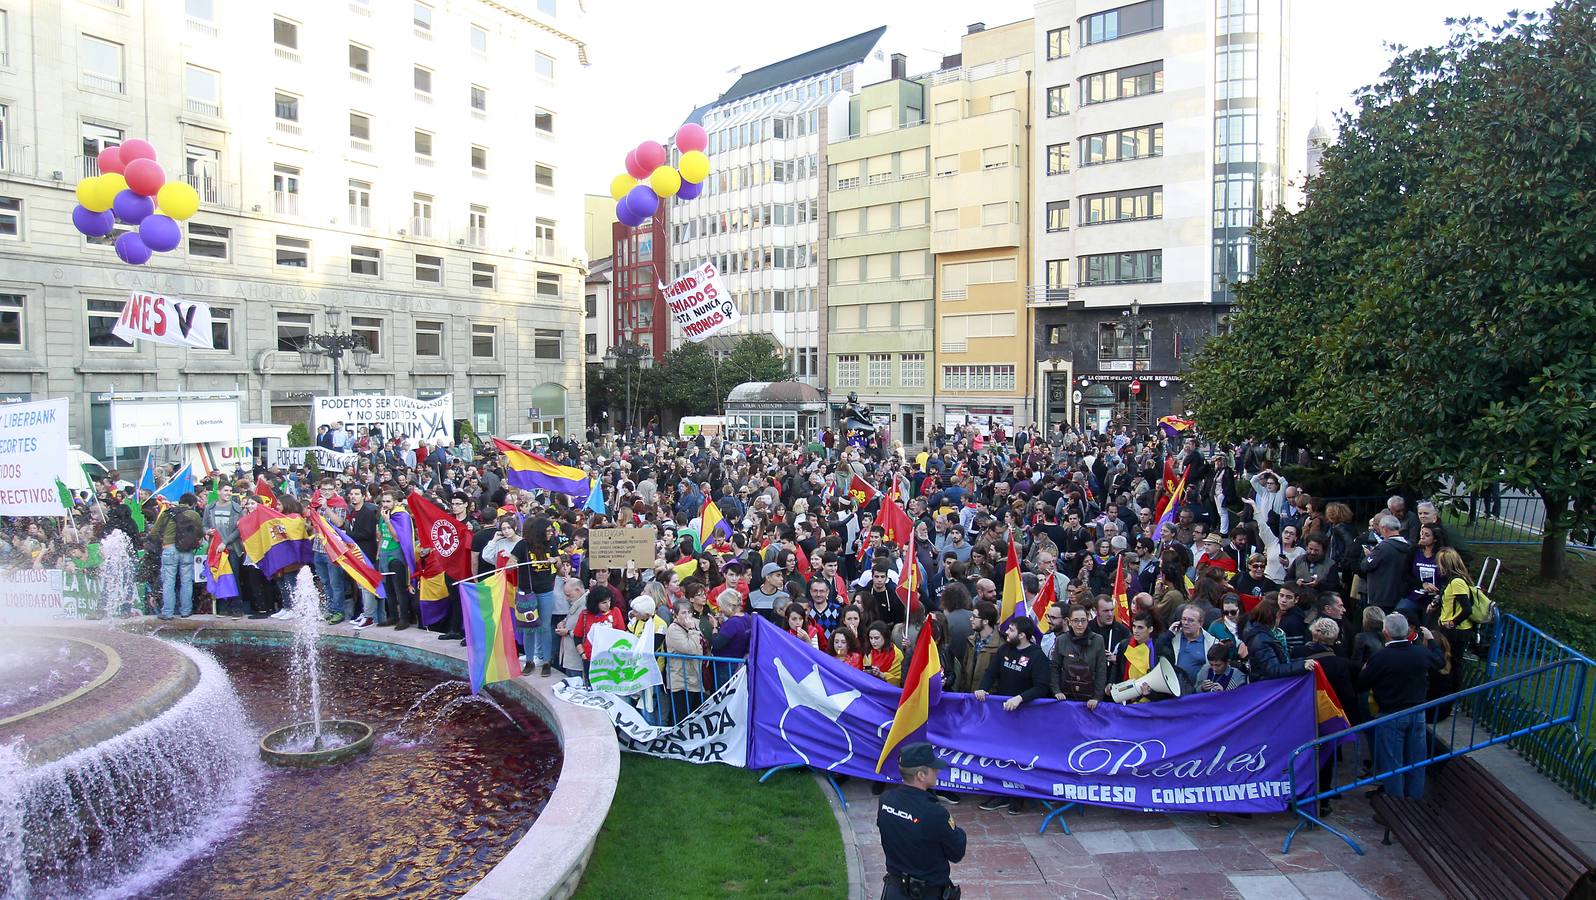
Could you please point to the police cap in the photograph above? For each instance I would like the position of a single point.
(916, 755)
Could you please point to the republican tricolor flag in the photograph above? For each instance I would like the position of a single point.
(343, 550)
(219, 577)
(1013, 588)
(922, 687)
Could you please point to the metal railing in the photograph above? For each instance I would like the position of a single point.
(87, 166)
(1567, 757)
(663, 706)
(203, 107)
(212, 191)
(1037, 293)
(285, 203)
(102, 83)
(16, 159)
(1482, 517)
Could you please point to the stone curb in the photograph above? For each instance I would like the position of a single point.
(850, 842)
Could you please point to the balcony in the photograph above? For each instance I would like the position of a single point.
(87, 166)
(360, 216)
(476, 237)
(286, 127)
(360, 9)
(203, 108)
(420, 227)
(212, 190)
(1040, 295)
(203, 28)
(16, 159)
(288, 54)
(359, 77)
(285, 203)
(102, 83)
(976, 73)
(855, 135)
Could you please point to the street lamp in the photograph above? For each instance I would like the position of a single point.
(1133, 319)
(333, 345)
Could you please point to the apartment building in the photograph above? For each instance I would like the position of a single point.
(1159, 141)
(395, 170)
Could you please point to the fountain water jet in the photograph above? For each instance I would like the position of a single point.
(315, 742)
(116, 576)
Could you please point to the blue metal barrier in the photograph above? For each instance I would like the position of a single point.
(1566, 757)
(664, 706)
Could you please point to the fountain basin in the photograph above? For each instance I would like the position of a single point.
(293, 746)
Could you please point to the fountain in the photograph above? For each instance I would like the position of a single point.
(116, 575)
(315, 742)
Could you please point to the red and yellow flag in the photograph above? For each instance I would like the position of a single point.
(1013, 589)
(1122, 609)
(1045, 597)
(922, 686)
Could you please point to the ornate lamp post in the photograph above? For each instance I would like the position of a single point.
(333, 345)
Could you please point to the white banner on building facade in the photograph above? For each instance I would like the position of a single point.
(158, 420)
(700, 304)
(424, 420)
(717, 731)
(165, 320)
(33, 454)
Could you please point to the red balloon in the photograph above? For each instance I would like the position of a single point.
(650, 155)
(691, 137)
(144, 176)
(635, 168)
(136, 149)
(110, 160)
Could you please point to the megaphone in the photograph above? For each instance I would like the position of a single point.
(1163, 679)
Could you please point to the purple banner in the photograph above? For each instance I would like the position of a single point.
(1210, 752)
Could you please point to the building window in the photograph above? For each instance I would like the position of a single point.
(209, 241)
(477, 226)
(1120, 84)
(1137, 267)
(878, 372)
(978, 378)
(1058, 274)
(848, 370)
(365, 261)
(479, 39)
(423, 80)
(286, 107)
(1118, 146)
(102, 321)
(546, 343)
(360, 204)
(543, 175)
(100, 64)
(1058, 100)
(911, 370)
(1057, 335)
(1235, 200)
(285, 190)
(10, 218)
(484, 341)
(1122, 206)
(1058, 215)
(543, 120)
(590, 344)
(993, 158)
(590, 306)
(543, 234)
(12, 309)
(1125, 21)
(947, 165)
(221, 328)
(429, 339)
(360, 59)
(429, 269)
(368, 331)
(1058, 43)
(421, 17)
(421, 215)
(293, 331)
(202, 91)
(479, 98)
(359, 131)
(484, 275)
(1058, 159)
(549, 285)
(1236, 137)
(285, 34)
(293, 252)
(424, 144)
(479, 158)
(1116, 341)
(543, 65)
(1236, 70)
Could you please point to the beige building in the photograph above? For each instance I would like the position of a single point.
(980, 116)
(879, 314)
(598, 223)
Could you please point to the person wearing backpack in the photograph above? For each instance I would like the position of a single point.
(1462, 608)
(179, 532)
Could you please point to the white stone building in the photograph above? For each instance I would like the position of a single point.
(401, 170)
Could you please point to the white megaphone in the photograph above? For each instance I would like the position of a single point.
(1163, 679)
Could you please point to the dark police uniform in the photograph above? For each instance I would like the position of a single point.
(918, 838)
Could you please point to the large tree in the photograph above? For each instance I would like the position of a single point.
(1431, 312)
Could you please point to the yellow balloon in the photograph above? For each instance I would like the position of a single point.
(694, 166)
(620, 185)
(89, 194)
(177, 199)
(665, 181)
(106, 189)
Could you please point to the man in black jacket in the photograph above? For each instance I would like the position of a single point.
(1399, 678)
(1385, 565)
(1019, 673)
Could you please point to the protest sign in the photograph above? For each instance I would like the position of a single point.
(1223, 752)
(699, 303)
(424, 420)
(622, 663)
(33, 454)
(613, 548)
(31, 595)
(717, 731)
(289, 457)
(165, 320)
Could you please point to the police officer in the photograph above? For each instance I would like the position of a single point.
(918, 836)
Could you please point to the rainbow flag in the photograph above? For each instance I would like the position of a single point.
(1013, 589)
(343, 550)
(531, 472)
(219, 577)
(274, 540)
(1175, 426)
(922, 687)
(1173, 509)
(487, 609)
(709, 520)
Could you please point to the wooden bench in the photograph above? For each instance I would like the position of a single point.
(1478, 841)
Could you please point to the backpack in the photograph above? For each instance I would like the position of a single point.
(188, 533)
(1481, 607)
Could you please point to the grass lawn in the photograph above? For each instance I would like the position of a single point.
(681, 830)
(1575, 592)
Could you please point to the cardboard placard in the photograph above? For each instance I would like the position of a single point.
(613, 548)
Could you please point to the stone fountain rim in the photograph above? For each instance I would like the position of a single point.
(113, 664)
(315, 759)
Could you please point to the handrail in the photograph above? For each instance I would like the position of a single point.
(1560, 689)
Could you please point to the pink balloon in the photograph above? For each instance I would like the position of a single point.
(650, 155)
(144, 176)
(136, 149)
(691, 137)
(634, 168)
(110, 160)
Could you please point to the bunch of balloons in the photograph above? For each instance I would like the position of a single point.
(133, 190)
(648, 179)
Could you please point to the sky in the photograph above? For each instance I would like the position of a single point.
(653, 62)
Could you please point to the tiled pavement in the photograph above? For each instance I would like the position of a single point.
(1143, 856)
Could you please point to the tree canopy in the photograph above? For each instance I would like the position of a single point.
(1430, 312)
(689, 381)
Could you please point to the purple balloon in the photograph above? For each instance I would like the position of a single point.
(130, 249)
(689, 190)
(93, 224)
(131, 207)
(642, 200)
(160, 233)
(624, 214)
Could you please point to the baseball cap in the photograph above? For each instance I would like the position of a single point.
(769, 570)
(918, 754)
